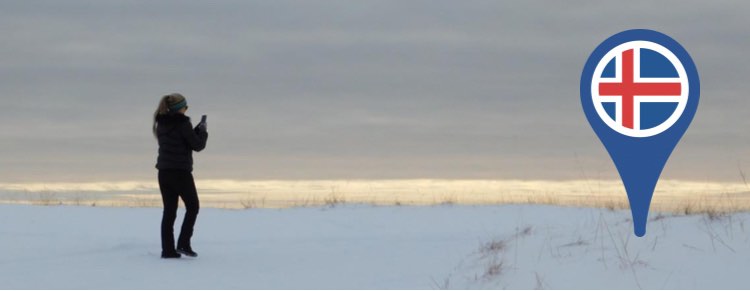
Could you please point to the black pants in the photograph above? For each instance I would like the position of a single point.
(174, 184)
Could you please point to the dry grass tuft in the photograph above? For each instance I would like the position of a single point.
(494, 269)
(494, 247)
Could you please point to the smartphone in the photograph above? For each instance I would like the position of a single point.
(203, 119)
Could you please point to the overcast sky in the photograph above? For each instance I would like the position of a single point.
(348, 89)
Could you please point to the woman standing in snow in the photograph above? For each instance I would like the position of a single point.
(177, 141)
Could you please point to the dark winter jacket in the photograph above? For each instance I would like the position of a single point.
(177, 141)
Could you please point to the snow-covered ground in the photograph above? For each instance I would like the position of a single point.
(449, 246)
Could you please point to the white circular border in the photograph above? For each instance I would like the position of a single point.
(617, 51)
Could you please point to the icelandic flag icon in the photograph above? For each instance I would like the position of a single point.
(639, 89)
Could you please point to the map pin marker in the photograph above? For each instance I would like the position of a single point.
(639, 91)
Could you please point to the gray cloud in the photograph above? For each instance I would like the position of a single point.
(340, 89)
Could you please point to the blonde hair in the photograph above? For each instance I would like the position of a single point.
(163, 107)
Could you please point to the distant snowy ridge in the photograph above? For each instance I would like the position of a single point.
(670, 195)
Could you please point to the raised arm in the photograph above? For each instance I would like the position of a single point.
(197, 138)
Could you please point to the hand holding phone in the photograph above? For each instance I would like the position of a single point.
(202, 125)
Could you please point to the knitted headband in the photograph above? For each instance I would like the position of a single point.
(178, 106)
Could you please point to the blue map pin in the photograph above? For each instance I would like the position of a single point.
(639, 91)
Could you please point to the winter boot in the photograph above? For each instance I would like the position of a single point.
(188, 251)
(170, 255)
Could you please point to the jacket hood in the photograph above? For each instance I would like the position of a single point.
(172, 118)
(169, 122)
